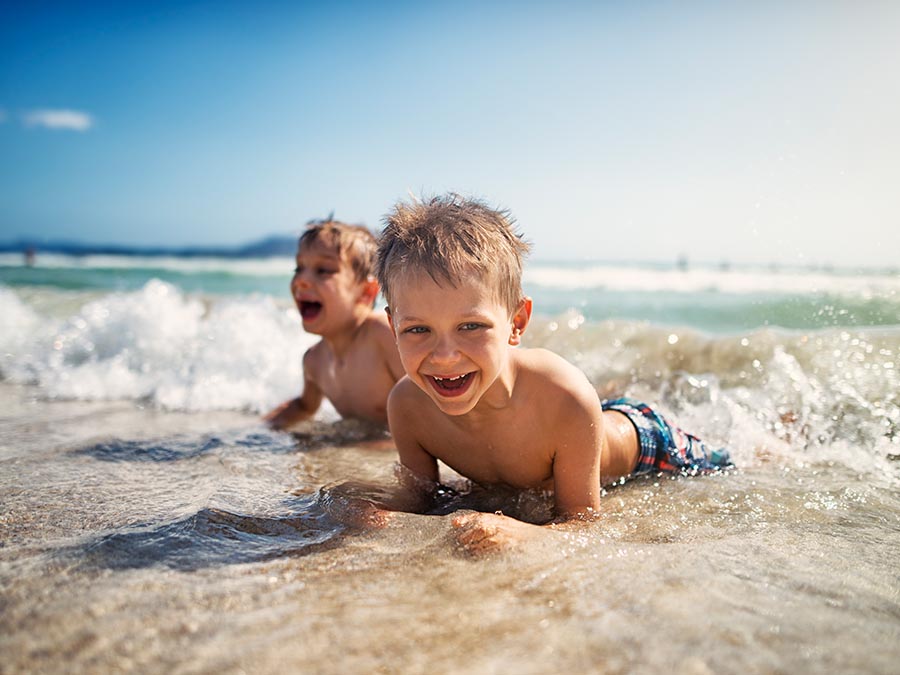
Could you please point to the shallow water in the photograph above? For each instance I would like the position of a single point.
(142, 540)
(149, 523)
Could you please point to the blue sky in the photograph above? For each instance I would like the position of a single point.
(749, 132)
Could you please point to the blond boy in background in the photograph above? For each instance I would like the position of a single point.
(356, 363)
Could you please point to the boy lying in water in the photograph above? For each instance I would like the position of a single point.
(356, 363)
(451, 270)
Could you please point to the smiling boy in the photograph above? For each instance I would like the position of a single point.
(355, 364)
(451, 271)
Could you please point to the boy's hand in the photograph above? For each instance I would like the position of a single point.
(480, 533)
(358, 513)
(365, 515)
(351, 504)
(285, 415)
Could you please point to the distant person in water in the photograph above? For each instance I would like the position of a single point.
(356, 362)
(451, 269)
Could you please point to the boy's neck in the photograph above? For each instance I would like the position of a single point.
(342, 339)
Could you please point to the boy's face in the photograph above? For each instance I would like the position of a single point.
(453, 342)
(324, 288)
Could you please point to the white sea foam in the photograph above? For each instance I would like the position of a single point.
(185, 351)
(617, 278)
(606, 276)
(252, 267)
(17, 323)
(159, 345)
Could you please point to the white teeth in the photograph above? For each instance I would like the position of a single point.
(441, 379)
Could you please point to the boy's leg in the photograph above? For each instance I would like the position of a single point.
(666, 447)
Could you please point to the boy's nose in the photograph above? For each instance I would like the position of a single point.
(444, 351)
(300, 280)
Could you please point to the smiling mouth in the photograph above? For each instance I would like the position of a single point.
(309, 310)
(451, 386)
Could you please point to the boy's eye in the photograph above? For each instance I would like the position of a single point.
(298, 270)
(325, 271)
(470, 326)
(416, 330)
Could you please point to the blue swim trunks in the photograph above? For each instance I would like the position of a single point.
(665, 447)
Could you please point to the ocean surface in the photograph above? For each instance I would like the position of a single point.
(150, 523)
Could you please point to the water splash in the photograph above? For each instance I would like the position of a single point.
(159, 346)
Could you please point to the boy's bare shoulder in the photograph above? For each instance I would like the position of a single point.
(412, 406)
(376, 325)
(560, 400)
(552, 367)
(378, 332)
(405, 395)
(315, 354)
(547, 372)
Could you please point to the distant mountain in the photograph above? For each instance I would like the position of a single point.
(275, 245)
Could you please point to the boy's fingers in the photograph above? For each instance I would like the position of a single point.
(466, 519)
(473, 524)
(478, 541)
(462, 520)
(476, 534)
(385, 517)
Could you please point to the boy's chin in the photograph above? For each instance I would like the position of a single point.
(312, 324)
(312, 330)
(450, 406)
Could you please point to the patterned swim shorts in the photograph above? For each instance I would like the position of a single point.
(665, 447)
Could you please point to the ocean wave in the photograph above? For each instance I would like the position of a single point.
(251, 267)
(694, 280)
(764, 389)
(158, 345)
(833, 390)
(736, 280)
(758, 388)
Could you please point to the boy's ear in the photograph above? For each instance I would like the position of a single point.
(387, 310)
(520, 321)
(369, 292)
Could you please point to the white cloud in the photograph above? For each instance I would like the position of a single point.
(71, 120)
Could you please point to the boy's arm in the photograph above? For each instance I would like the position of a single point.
(301, 408)
(418, 473)
(576, 481)
(576, 465)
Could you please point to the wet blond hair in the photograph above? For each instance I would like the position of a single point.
(451, 237)
(354, 244)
